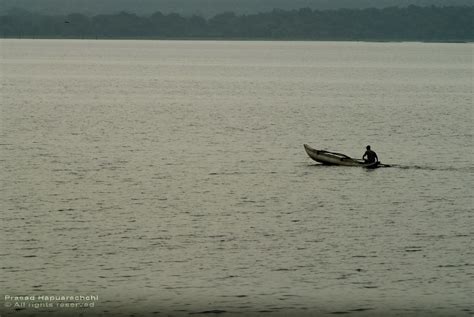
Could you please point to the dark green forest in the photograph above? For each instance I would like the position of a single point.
(412, 23)
(206, 8)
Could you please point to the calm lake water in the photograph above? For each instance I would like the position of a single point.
(169, 178)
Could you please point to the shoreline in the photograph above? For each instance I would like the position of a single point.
(223, 39)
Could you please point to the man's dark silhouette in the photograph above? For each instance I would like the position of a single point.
(371, 156)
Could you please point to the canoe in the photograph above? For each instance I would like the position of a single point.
(332, 158)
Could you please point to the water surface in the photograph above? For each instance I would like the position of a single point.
(169, 177)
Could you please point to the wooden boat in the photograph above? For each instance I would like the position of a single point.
(332, 158)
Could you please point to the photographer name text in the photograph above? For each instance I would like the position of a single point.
(53, 298)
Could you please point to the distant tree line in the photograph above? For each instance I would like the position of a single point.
(206, 8)
(412, 23)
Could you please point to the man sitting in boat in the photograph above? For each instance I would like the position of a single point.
(371, 156)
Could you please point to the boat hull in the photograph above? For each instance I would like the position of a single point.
(331, 158)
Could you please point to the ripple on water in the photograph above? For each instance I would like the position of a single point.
(186, 183)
